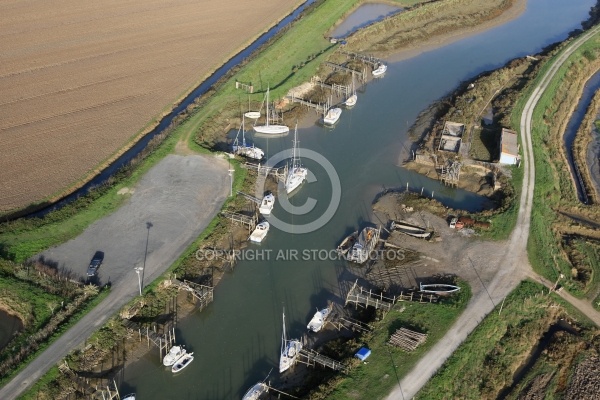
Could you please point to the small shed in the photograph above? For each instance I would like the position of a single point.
(509, 147)
(363, 354)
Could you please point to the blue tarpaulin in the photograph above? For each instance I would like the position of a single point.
(363, 354)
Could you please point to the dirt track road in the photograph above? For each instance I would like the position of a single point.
(512, 266)
(179, 196)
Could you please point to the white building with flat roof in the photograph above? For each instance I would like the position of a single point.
(509, 147)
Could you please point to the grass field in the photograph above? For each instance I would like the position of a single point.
(498, 346)
(81, 80)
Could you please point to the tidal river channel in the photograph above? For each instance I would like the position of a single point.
(236, 340)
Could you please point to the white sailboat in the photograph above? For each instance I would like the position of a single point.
(269, 129)
(297, 174)
(243, 149)
(332, 116)
(267, 204)
(289, 350)
(351, 101)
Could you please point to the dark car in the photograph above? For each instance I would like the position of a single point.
(95, 263)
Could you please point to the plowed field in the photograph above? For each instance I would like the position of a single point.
(80, 80)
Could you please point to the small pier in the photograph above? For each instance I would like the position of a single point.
(250, 197)
(318, 107)
(450, 173)
(366, 298)
(350, 324)
(374, 61)
(406, 339)
(361, 75)
(249, 221)
(279, 173)
(202, 293)
(311, 358)
(340, 90)
(163, 342)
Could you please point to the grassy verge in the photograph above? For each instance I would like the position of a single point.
(387, 364)
(44, 382)
(499, 345)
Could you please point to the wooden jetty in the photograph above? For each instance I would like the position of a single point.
(250, 197)
(374, 61)
(340, 90)
(202, 293)
(311, 358)
(279, 173)
(407, 339)
(350, 324)
(450, 173)
(362, 75)
(318, 107)
(366, 298)
(245, 220)
(162, 341)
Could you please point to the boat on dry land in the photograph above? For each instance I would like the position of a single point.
(438, 288)
(244, 149)
(411, 230)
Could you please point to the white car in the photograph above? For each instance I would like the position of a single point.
(453, 222)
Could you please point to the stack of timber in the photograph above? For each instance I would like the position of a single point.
(407, 339)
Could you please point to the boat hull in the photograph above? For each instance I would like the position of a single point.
(182, 363)
(252, 114)
(271, 129)
(332, 116)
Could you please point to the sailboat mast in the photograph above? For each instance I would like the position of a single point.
(243, 131)
(283, 336)
(267, 106)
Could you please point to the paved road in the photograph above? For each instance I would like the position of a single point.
(179, 196)
(512, 267)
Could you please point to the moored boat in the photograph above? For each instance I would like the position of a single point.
(256, 391)
(318, 320)
(269, 129)
(260, 232)
(347, 243)
(243, 149)
(351, 101)
(173, 355)
(252, 114)
(366, 242)
(130, 396)
(289, 350)
(183, 362)
(297, 173)
(267, 204)
(332, 116)
(380, 70)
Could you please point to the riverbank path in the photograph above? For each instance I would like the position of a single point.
(512, 267)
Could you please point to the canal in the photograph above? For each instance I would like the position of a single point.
(236, 340)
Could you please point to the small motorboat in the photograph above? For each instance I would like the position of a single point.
(256, 391)
(183, 362)
(267, 204)
(438, 288)
(380, 70)
(173, 355)
(332, 116)
(351, 101)
(318, 320)
(347, 243)
(252, 114)
(260, 232)
(130, 396)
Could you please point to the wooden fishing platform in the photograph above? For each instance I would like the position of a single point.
(350, 324)
(311, 358)
(318, 107)
(202, 293)
(279, 173)
(362, 75)
(374, 61)
(162, 341)
(407, 339)
(340, 90)
(249, 221)
(366, 298)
